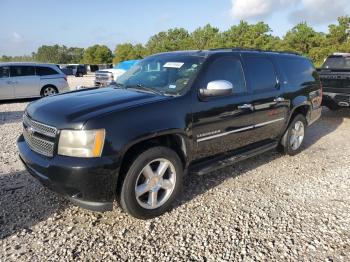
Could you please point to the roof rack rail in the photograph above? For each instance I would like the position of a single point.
(235, 49)
(288, 52)
(254, 49)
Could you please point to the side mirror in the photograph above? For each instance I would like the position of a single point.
(216, 88)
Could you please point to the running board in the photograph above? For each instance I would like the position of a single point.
(228, 159)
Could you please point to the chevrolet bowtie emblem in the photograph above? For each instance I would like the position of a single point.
(30, 130)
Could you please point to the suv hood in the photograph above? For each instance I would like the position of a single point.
(72, 110)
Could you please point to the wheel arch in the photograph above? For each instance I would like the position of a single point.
(301, 105)
(175, 141)
(45, 86)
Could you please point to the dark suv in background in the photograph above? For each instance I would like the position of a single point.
(75, 70)
(335, 77)
(171, 114)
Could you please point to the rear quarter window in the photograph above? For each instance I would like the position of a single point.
(45, 71)
(297, 71)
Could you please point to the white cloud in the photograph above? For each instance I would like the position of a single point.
(319, 11)
(312, 11)
(16, 38)
(257, 9)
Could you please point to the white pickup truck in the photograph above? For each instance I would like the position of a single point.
(109, 76)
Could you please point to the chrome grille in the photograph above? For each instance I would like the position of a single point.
(39, 127)
(39, 137)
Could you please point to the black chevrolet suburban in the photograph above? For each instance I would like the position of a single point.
(335, 78)
(171, 114)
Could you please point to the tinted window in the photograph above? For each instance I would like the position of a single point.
(261, 73)
(298, 71)
(229, 69)
(45, 71)
(4, 71)
(22, 71)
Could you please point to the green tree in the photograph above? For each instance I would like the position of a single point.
(339, 35)
(206, 37)
(128, 51)
(52, 54)
(75, 54)
(250, 36)
(25, 58)
(305, 40)
(171, 40)
(97, 54)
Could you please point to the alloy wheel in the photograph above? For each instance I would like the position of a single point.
(297, 135)
(49, 91)
(155, 183)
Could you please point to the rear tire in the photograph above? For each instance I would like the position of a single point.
(293, 138)
(152, 183)
(48, 91)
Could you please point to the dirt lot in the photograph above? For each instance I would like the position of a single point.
(271, 207)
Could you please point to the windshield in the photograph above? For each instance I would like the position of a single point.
(165, 74)
(337, 62)
(126, 65)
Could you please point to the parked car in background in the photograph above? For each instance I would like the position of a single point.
(108, 77)
(171, 114)
(335, 77)
(75, 70)
(25, 80)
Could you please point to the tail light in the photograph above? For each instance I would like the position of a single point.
(65, 78)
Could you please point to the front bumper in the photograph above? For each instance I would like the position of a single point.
(102, 83)
(89, 183)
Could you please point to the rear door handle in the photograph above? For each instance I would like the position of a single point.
(279, 99)
(11, 82)
(246, 106)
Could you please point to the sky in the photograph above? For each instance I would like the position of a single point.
(28, 24)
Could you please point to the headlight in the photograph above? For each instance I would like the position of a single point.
(81, 143)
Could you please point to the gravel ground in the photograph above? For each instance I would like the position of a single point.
(270, 207)
(87, 80)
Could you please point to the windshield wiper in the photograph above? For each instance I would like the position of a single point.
(142, 87)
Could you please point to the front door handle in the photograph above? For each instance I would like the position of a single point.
(279, 99)
(246, 106)
(11, 82)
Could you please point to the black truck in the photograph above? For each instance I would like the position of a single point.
(335, 78)
(172, 114)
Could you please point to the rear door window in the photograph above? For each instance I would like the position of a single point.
(22, 71)
(45, 71)
(298, 71)
(4, 71)
(261, 72)
(229, 69)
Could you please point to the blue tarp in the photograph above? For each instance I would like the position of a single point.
(126, 65)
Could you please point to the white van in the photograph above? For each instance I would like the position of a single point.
(25, 80)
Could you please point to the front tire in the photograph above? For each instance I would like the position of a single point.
(292, 140)
(152, 183)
